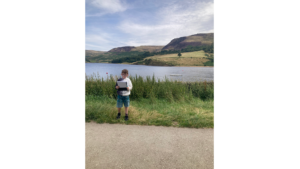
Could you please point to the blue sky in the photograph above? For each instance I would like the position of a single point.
(117, 23)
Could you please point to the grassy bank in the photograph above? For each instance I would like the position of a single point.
(195, 114)
(152, 102)
(150, 88)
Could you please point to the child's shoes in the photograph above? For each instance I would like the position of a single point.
(119, 115)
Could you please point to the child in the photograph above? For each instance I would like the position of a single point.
(123, 94)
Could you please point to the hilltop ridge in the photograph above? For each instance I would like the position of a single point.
(199, 39)
(196, 50)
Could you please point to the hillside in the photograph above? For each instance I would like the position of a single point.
(139, 49)
(176, 44)
(193, 40)
(162, 55)
(148, 48)
(93, 53)
(122, 49)
(196, 58)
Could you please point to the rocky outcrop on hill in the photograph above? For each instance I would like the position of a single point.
(193, 40)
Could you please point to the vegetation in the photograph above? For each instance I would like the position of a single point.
(211, 60)
(196, 58)
(151, 88)
(93, 53)
(142, 56)
(132, 58)
(195, 113)
(153, 102)
(155, 62)
(109, 56)
(205, 48)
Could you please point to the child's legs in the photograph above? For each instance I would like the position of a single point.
(119, 103)
(126, 104)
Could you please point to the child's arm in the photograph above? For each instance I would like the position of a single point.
(117, 87)
(129, 85)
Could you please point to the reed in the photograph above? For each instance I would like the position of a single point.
(150, 88)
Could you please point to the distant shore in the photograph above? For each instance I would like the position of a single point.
(153, 65)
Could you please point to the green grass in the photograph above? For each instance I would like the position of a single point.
(150, 88)
(194, 114)
(109, 56)
(196, 58)
(152, 102)
(195, 54)
(209, 63)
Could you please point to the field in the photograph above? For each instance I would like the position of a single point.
(196, 54)
(197, 58)
(184, 61)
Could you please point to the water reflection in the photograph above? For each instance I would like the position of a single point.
(187, 74)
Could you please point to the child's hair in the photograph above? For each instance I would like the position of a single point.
(125, 71)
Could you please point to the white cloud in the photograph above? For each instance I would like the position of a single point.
(93, 38)
(97, 39)
(102, 7)
(171, 19)
(148, 35)
(194, 18)
(176, 20)
(109, 5)
(142, 30)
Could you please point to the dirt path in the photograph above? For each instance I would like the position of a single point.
(110, 146)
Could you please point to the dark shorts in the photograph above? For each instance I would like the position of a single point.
(123, 100)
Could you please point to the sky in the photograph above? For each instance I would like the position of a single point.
(116, 23)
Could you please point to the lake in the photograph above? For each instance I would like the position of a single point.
(187, 74)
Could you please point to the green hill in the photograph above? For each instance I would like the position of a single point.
(139, 49)
(193, 40)
(137, 55)
(93, 53)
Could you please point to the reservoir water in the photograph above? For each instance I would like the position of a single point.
(187, 74)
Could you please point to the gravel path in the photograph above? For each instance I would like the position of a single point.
(110, 146)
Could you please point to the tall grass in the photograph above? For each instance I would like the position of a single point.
(194, 114)
(150, 88)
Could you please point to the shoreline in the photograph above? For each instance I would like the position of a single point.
(153, 65)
